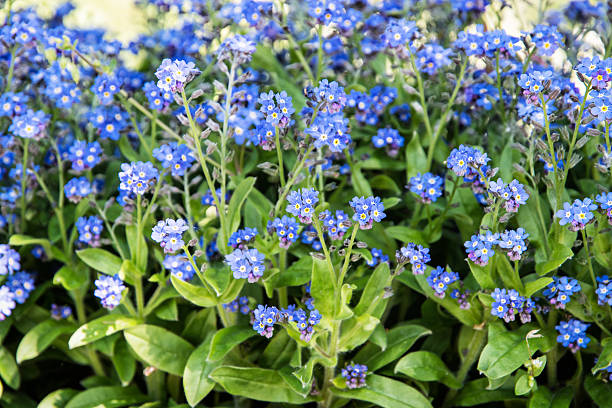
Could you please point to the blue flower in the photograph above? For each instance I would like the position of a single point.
(514, 242)
(427, 186)
(604, 290)
(246, 264)
(176, 157)
(77, 188)
(84, 155)
(578, 214)
(179, 266)
(572, 334)
(302, 203)
(21, 284)
(367, 211)
(464, 161)
(10, 260)
(276, 108)
(174, 75)
(560, 290)
(264, 319)
(417, 255)
(7, 302)
(169, 234)
(377, 257)
(89, 229)
(60, 312)
(355, 375)
(507, 303)
(137, 177)
(399, 32)
(239, 47)
(286, 229)
(439, 280)
(335, 225)
(242, 237)
(105, 87)
(330, 96)
(158, 98)
(30, 125)
(109, 290)
(390, 138)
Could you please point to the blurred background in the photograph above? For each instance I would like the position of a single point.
(124, 21)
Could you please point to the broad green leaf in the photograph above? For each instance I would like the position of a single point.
(70, 278)
(22, 240)
(40, 337)
(232, 291)
(167, 311)
(322, 287)
(391, 202)
(356, 331)
(399, 339)
(107, 397)
(304, 373)
(360, 183)
(482, 274)
(385, 392)
(8, 369)
(196, 382)
(559, 255)
(475, 393)
(406, 234)
(426, 366)
(297, 274)
(99, 328)
(197, 295)
(256, 383)
(139, 251)
(218, 278)
(416, 159)
(292, 381)
(278, 352)
(506, 350)
(374, 290)
(239, 195)
(159, 347)
(508, 274)
(535, 285)
(605, 357)
(124, 362)
(602, 250)
(600, 392)
(100, 260)
(58, 398)
(543, 398)
(383, 182)
(226, 339)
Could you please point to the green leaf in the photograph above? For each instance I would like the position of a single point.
(159, 347)
(426, 366)
(99, 328)
(406, 234)
(508, 274)
(605, 357)
(256, 383)
(476, 393)
(100, 260)
(107, 397)
(523, 384)
(356, 331)
(8, 369)
(292, 381)
(297, 274)
(399, 339)
(239, 195)
(124, 362)
(374, 290)
(533, 286)
(322, 287)
(506, 350)
(196, 381)
(482, 274)
(218, 278)
(543, 398)
(22, 240)
(416, 160)
(599, 392)
(385, 392)
(278, 352)
(383, 182)
(226, 339)
(559, 255)
(40, 337)
(70, 278)
(197, 295)
(360, 184)
(391, 202)
(138, 252)
(58, 398)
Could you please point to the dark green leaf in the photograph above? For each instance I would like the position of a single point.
(99, 328)
(426, 366)
(107, 397)
(228, 338)
(475, 393)
(197, 295)
(605, 357)
(40, 337)
(196, 381)
(8, 369)
(322, 287)
(124, 362)
(600, 392)
(100, 260)
(58, 398)
(385, 392)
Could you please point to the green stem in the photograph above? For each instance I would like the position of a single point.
(499, 87)
(224, 135)
(347, 258)
(222, 315)
(96, 364)
(300, 55)
(9, 75)
(24, 174)
(421, 90)
(588, 254)
(279, 155)
(317, 225)
(282, 265)
(294, 175)
(138, 280)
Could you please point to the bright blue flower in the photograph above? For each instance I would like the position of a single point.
(158, 99)
(30, 125)
(578, 214)
(377, 257)
(399, 32)
(604, 290)
(246, 264)
(77, 188)
(330, 96)
(105, 87)
(108, 120)
(169, 234)
(506, 303)
(109, 290)
(547, 39)
(286, 229)
(179, 266)
(176, 157)
(335, 225)
(390, 138)
(60, 312)
(84, 155)
(174, 75)
(432, 57)
(242, 237)
(89, 229)
(239, 47)
(7, 302)
(417, 255)
(560, 290)
(21, 284)
(331, 131)
(428, 187)
(355, 375)
(572, 334)
(464, 161)
(13, 104)
(276, 108)
(302, 203)
(367, 211)
(514, 242)
(137, 177)
(10, 260)
(601, 108)
(264, 319)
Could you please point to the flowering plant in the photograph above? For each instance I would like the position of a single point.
(333, 203)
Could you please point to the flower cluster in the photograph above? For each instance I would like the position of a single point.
(84, 155)
(174, 75)
(179, 266)
(176, 157)
(10, 260)
(329, 96)
(105, 87)
(242, 237)
(241, 303)
(355, 375)
(605, 204)
(60, 312)
(466, 161)
(238, 47)
(513, 194)
(109, 290)
(597, 70)
(507, 303)
(30, 125)
(417, 255)
(480, 247)
(367, 210)
(560, 290)
(304, 322)
(428, 187)
(369, 107)
(246, 264)
(440, 279)
(390, 138)
(330, 130)
(335, 225)
(302, 203)
(276, 108)
(377, 257)
(89, 229)
(578, 214)
(77, 188)
(169, 234)
(137, 177)
(572, 334)
(604, 290)
(286, 229)
(264, 319)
